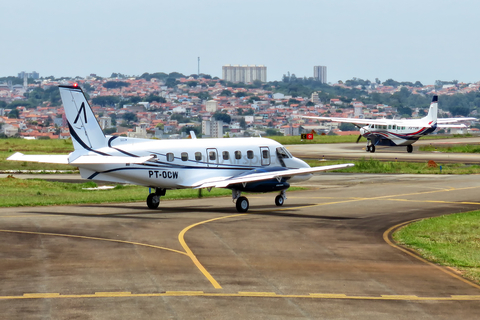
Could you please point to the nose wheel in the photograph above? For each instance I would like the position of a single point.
(153, 199)
(280, 199)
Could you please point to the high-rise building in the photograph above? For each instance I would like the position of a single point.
(33, 75)
(245, 74)
(320, 73)
(212, 128)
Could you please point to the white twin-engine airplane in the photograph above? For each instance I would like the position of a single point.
(239, 164)
(385, 132)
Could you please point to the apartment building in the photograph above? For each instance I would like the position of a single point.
(245, 74)
(320, 73)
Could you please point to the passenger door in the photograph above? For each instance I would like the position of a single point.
(265, 156)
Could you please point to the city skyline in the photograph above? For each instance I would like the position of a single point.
(423, 40)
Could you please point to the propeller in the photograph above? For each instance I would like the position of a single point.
(359, 137)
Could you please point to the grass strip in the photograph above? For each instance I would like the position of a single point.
(467, 148)
(371, 165)
(450, 240)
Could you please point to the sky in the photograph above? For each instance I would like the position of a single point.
(408, 40)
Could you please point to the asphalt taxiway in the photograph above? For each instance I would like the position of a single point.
(356, 151)
(326, 254)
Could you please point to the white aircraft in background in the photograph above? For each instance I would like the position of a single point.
(239, 164)
(385, 132)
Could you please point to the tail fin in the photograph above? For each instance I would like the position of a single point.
(84, 128)
(431, 117)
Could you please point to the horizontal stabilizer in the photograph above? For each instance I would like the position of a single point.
(110, 160)
(63, 159)
(44, 158)
(225, 182)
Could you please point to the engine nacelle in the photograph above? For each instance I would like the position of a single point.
(262, 186)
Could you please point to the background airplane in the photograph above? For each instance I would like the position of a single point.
(239, 164)
(392, 132)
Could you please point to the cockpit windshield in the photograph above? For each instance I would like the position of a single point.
(283, 153)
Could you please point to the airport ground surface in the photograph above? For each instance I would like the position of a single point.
(325, 254)
(357, 151)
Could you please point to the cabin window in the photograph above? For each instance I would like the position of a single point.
(265, 154)
(238, 155)
(394, 127)
(250, 154)
(225, 155)
(212, 155)
(184, 156)
(389, 126)
(198, 156)
(170, 157)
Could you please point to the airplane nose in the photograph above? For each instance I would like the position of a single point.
(362, 131)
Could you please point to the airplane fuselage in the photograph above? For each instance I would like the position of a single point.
(397, 133)
(179, 163)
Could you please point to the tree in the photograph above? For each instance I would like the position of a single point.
(204, 95)
(243, 123)
(347, 127)
(220, 116)
(171, 82)
(106, 101)
(180, 118)
(226, 93)
(240, 94)
(273, 132)
(14, 114)
(115, 84)
(158, 99)
(130, 117)
(176, 75)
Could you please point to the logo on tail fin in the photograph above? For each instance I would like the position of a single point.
(82, 107)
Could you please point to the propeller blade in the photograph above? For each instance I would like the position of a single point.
(359, 137)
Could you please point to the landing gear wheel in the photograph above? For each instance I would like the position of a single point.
(242, 204)
(153, 201)
(372, 149)
(410, 149)
(279, 200)
(368, 148)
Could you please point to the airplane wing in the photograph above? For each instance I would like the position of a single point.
(63, 159)
(451, 125)
(352, 120)
(224, 182)
(451, 120)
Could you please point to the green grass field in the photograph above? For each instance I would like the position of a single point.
(10, 146)
(451, 240)
(467, 148)
(366, 165)
(36, 192)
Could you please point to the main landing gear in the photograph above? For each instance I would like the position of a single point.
(410, 148)
(242, 203)
(153, 199)
(370, 147)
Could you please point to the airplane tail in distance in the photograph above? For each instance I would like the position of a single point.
(431, 117)
(84, 128)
